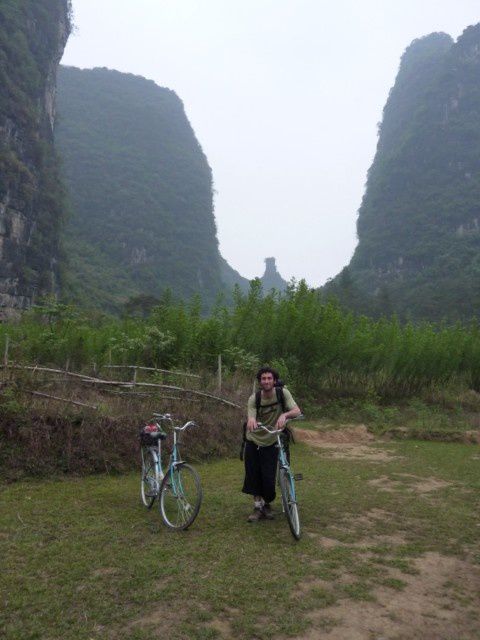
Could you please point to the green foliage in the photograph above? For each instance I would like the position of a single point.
(319, 349)
(10, 406)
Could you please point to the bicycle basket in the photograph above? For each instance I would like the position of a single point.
(150, 435)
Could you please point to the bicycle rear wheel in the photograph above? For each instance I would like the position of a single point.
(150, 479)
(287, 488)
(180, 496)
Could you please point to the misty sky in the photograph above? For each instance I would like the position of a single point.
(284, 97)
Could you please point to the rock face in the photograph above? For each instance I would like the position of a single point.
(33, 34)
(271, 279)
(418, 226)
(141, 191)
(231, 277)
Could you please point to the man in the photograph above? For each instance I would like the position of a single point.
(261, 453)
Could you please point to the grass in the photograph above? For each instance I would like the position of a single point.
(82, 558)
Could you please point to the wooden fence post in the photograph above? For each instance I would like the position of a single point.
(219, 372)
(134, 376)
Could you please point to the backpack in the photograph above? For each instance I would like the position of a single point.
(287, 434)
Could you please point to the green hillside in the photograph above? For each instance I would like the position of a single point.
(418, 250)
(141, 191)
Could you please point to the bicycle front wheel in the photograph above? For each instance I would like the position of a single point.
(150, 480)
(180, 496)
(289, 500)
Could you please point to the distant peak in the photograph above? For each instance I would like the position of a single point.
(270, 265)
(271, 279)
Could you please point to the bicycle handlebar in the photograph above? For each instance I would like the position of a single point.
(190, 423)
(162, 416)
(276, 431)
(167, 416)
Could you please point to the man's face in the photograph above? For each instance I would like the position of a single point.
(267, 381)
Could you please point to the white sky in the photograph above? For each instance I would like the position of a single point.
(284, 97)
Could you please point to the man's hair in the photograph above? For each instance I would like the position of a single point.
(267, 370)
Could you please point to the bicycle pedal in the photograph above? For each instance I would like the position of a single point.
(298, 476)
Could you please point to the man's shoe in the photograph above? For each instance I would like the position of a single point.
(267, 511)
(258, 514)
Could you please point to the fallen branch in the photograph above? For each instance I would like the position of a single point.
(130, 366)
(125, 385)
(47, 395)
(48, 370)
(131, 385)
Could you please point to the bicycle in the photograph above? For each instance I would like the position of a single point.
(286, 481)
(178, 489)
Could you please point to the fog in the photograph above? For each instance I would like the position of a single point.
(284, 97)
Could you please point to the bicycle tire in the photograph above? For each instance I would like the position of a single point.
(287, 489)
(150, 480)
(180, 496)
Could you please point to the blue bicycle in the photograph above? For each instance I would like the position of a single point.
(286, 482)
(178, 489)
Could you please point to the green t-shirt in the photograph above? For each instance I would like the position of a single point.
(268, 413)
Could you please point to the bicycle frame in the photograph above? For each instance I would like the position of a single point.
(174, 459)
(286, 481)
(283, 464)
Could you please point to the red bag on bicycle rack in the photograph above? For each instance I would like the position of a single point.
(150, 434)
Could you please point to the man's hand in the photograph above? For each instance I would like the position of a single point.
(288, 415)
(251, 424)
(281, 421)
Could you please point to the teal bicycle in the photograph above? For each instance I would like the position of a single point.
(178, 489)
(286, 481)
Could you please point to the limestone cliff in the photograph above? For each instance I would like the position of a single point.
(33, 34)
(419, 223)
(141, 190)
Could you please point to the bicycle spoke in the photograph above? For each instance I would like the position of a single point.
(180, 497)
(150, 480)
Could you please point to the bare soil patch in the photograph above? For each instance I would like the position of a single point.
(439, 599)
(414, 483)
(472, 436)
(370, 518)
(348, 434)
(440, 602)
(222, 627)
(392, 540)
(351, 442)
(159, 619)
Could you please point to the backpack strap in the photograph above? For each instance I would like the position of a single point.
(258, 400)
(244, 440)
(281, 397)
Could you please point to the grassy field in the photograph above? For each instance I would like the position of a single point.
(390, 549)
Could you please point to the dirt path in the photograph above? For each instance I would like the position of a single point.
(438, 600)
(431, 606)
